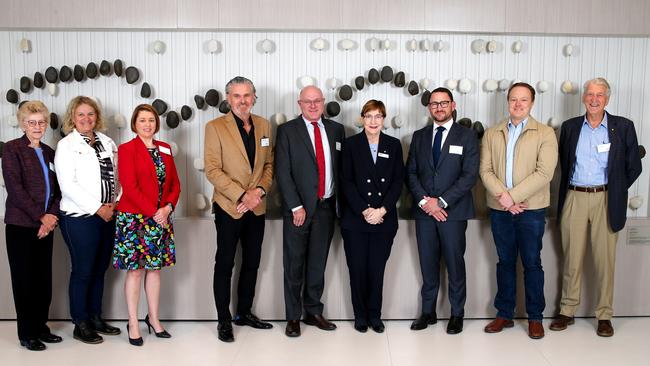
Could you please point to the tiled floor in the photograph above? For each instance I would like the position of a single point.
(196, 344)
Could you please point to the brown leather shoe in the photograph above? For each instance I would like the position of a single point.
(605, 328)
(535, 329)
(319, 321)
(498, 324)
(561, 322)
(293, 328)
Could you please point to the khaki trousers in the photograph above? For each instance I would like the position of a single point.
(583, 221)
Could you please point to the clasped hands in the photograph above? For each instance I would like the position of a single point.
(508, 204)
(374, 216)
(48, 223)
(251, 199)
(432, 209)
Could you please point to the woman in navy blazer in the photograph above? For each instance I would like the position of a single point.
(144, 237)
(31, 211)
(371, 180)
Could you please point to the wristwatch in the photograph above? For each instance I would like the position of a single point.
(441, 203)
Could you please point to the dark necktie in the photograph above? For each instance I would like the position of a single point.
(437, 145)
(320, 160)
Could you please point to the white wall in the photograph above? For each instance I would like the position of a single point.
(595, 17)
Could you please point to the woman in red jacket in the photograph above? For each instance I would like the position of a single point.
(144, 236)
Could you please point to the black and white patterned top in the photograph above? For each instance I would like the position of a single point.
(105, 168)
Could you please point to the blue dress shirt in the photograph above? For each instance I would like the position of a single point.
(513, 135)
(590, 168)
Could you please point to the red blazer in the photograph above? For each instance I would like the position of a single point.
(139, 181)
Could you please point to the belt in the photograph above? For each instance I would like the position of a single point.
(593, 189)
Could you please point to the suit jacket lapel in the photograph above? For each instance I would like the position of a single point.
(231, 126)
(366, 155)
(259, 134)
(451, 137)
(304, 137)
(428, 145)
(612, 132)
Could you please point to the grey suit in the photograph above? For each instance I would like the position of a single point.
(305, 248)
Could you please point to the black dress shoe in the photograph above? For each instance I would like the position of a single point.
(100, 326)
(377, 326)
(252, 321)
(161, 334)
(361, 325)
(319, 321)
(424, 321)
(293, 328)
(225, 332)
(455, 325)
(32, 344)
(134, 341)
(48, 337)
(84, 332)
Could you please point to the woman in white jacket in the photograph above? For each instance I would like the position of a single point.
(86, 167)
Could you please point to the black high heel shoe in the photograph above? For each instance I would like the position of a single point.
(162, 334)
(134, 341)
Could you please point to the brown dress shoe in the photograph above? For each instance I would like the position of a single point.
(293, 328)
(319, 321)
(535, 329)
(605, 328)
(498, 324)
(561, 322)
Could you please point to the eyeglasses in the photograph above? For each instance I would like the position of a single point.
(443, 104)
(34, 123)
(377, 117)
(312, 102)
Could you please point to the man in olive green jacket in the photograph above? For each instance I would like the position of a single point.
(518, 158)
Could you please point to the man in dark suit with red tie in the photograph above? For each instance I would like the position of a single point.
(441, 170)
(307, 161)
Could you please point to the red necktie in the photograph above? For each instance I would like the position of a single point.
(320, 160)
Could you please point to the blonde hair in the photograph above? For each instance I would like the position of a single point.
(33, 107)
(68, 123)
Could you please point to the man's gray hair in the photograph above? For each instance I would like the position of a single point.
(239, 80)
(597, 81)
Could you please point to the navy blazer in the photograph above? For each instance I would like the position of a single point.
(623, 164)
(296, 170)
(25, 183)
(454, 176)
(365, 183)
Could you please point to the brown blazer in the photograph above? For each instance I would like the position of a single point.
(227, 166)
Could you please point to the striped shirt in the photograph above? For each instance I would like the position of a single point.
(105, 168)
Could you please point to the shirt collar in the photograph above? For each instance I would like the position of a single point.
(447, 125)
(603, 123)
(522, 123)
(308, 122)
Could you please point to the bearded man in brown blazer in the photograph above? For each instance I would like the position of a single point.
(239, 164)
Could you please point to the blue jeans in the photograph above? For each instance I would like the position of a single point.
(90, 241)
(519, 234)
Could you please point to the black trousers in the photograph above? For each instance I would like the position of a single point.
(366, 254)
(305, 251)
(249, 230)
(30, 263)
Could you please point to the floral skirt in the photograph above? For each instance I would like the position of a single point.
(141, 243)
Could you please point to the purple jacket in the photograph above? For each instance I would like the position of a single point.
(25, 183)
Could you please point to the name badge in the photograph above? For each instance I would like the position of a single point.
(382, 155)
(338, 146)
(164, 150)
(604, 147)
(106, 154)
(52, 166)
(455, 149)
(264, 142)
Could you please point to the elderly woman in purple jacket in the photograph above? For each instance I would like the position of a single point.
(30, 216)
